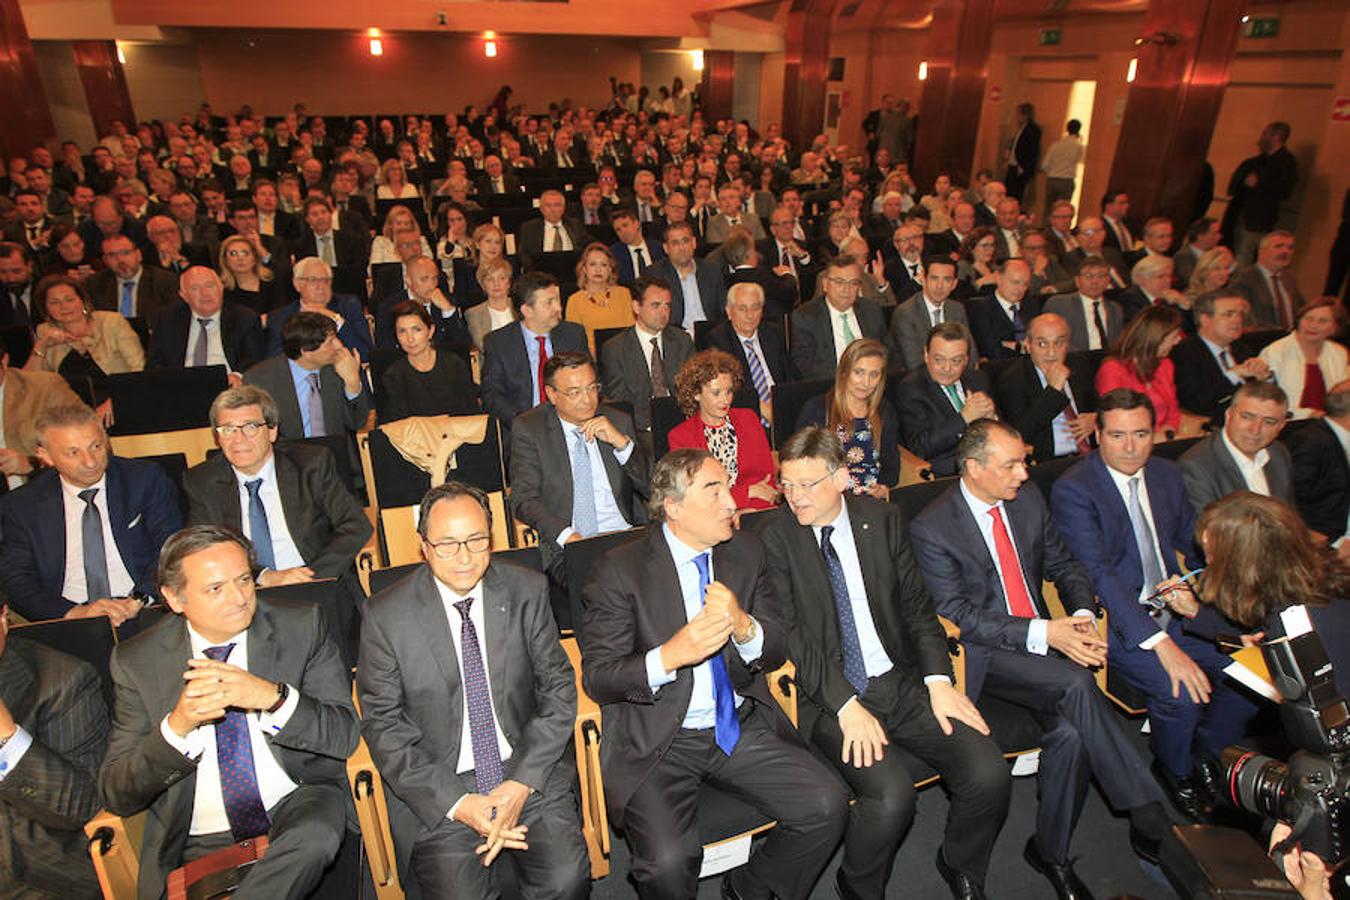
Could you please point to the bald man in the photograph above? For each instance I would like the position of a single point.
(1047, 395)
(204, 331)
(424, 286)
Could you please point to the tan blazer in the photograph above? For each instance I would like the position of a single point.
(113, 344)
(26, 395)
(479, 320)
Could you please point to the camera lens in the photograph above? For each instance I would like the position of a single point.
(1256, 783)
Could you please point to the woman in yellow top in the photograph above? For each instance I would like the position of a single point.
(599, 302)
(75, 329)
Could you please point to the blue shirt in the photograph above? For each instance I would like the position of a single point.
(532, 353)
(693, 303)
(702, 711)
(608, 517)
(1064, 441)
(300, 377)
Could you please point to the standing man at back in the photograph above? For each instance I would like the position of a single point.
(1261, 183)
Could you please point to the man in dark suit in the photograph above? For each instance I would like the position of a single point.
(697, 291)
(864, 637)
(1244, 455)
(1024, 152)
(640, 363)
(633, 254)
(171, 254)
(757, 345)
(1152, 284)
(741, 260)
(1126, 518)
(204, 331)
(1260, 185)
(1211, 365)
(823, 328)
(333, 246)
(514, 356)
(1091, 237)
(316, 382)
(53, 732)
(931, 306)
(17, 281)
(273, 221)
(233, 685)
(1094, 321)
(552, 233)
(938, 400)
(998, 323)
(680, 627)
(449, 795)
(426, 287)
(904, 254)
(1015, 652)
(52, 567)
(106, 220)
(730, 214)
(948, 243)
(782, 254)
(496, 179)
(1115, 207)
(1268, 285)
(128, 287)
(564, 453)
(1320, 453)
(1048, 395)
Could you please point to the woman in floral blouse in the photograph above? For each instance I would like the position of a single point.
(858, 412)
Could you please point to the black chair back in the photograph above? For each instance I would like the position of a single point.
(701, 332)
(912, 498)
(383, 579)
(666, 414)
(164, 399)
(380, 361)
(1043, 474)
(17, 341)
(578, 559)
(788, 400)
(1174, 449)
(338, 597)
(351, 279)
(603, 336)
(91, 639)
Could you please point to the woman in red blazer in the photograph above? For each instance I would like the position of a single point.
(705, 386)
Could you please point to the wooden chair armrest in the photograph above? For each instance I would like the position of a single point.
(372, 811)
(783, 687)
(115, 849)
(912, 468)
(586, 741)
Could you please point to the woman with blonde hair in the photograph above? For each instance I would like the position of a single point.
(599, 300)
(489, 243)
(857, 411)
(247, 281)
(1139, 361)
(394, 184)
(494, 280)
(399, 218)
(705, 387)
(1212, 272)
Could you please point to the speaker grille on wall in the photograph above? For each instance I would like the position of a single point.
(836, 69)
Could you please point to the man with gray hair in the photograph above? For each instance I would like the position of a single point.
(1151, 283)
(680, 627)
(757, 345)
(1244, 455)
(203, 330)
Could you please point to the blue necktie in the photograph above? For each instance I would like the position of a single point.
(1019, 326)
(1143, 538)
(238, 779)
(727, 731)
(128, 298)
(258, 531)
(757, 376)
(487, 757)
(584, 519)
(854, 668)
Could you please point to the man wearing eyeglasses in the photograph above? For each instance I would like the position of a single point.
(576, 467)
(468, 704)
(824, 327)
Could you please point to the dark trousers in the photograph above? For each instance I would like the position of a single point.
(306, 833)
(1182, 728)
(779, 778)
(555, 867)
(1081, 741)
(972, 768)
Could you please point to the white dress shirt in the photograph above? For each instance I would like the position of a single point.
(274, 785)
(215, 349)
(1094, 339)
(1253, 470)
(693, 300)
(120, 582)
(937, 313)
(1122, 483)
(284, 551)
(633, 255)
(750, 344)
(1065, 444)
(553, 230)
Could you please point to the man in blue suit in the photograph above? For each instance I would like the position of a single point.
(83, 538)
(633, 253)
(983, 547)
(1126, 517)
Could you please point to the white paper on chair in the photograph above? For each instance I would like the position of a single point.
(725, 856)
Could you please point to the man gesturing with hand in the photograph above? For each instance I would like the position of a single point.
(868, 647)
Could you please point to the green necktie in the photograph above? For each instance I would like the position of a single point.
(954, 396)
(849, 337)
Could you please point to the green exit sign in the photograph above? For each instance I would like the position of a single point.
(1049, 37)
(1265, 27)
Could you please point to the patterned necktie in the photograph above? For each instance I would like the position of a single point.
(937, 314)
(258, 531)
(585, 521)
(128, 299)
(727, 730)
(1010, 569)
(557, 245)
(1019, 326)
(1098, 323)
(326, 249)
(314, 400)
(95, 553)
(543, 359)
(955, 396)
(199, 352)
(757, 376)
(855, 670)
(487, 757)
(1143, 537)
(658, 371)
(238, 778)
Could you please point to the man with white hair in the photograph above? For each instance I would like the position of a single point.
(1152, 284)
(205, 331)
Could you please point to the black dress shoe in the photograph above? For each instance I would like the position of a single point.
(1145, 846)
(963, 887)
(1067, 884)
(1186, 793)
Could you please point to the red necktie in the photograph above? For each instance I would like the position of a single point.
(1314, 387)
(1071, 414)
(1014, 585)
(543, 358)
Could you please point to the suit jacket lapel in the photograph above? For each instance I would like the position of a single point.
(667, 609)
(495, 619)
(433, 623)
(637, 357)
(288, 486)
(557, 448)
(118, 510)
(231, 505)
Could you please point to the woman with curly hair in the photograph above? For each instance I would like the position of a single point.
(705, 387)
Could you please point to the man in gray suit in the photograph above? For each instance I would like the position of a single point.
(468, 712)
(932, 306)
(234, 719)
(1094, 321)
(640, 363)
(1268, 285)
(565, 443)
(316, 382)
(1244, 456)
(53, 731)
(729, 215)
(822, 328)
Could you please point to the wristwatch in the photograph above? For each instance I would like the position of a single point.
(283, 691)
(754, 630)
